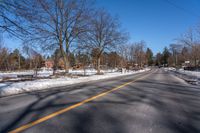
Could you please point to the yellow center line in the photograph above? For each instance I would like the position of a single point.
(45, 118)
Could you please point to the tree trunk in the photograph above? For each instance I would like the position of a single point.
(36, 69)
(30, 65)
(67, 53)
(195, 62)
(19, 61)
(54, 71)
(36, 72)
(67, 64)
(98, 65)
(64, 57)
(65, 61)
(84, 69)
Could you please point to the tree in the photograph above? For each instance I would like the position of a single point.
(124, 53)
(104, 34)
(56, 58)
(149, 56)
(72, 59)
(158, 59)
(185, 54)
(28, 51)
(94, 56)
(37, 62)
(138, 53)
(4, 56)
(9, 22)
(35, 59)
(113, 59)
(165, 56)
(52, 24)
(17, 57)
(176, 50)
(190, 40)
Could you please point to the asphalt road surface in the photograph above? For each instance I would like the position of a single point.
(151, 102)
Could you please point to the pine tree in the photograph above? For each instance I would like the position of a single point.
(149, 56)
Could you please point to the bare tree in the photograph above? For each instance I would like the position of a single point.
(138, 53)
(176, 50)
(52, 24)
(1, 41)
(28, 51)
(9, 21)
(124, 52)
(189, 39)
(104, 34)
(3, 55)
(37, 62)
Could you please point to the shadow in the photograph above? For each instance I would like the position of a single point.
(38, 108)
(53, 100)
(174, 107)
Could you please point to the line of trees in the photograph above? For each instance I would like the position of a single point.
(134, 55)
(61, 24)
(15, 60)
(74, 30)
(77, 32)
(185, 52)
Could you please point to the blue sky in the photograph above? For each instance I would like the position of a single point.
(157, 22)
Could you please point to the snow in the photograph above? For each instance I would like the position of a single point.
(82, 72)
(48, 72)
(170, 68)
(43, 73)
(191, 76)
(195, 74)
(190, 73)
(27, 86)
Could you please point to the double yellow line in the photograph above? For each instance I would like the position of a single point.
(31, 124)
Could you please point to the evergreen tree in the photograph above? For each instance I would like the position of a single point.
(149, 56)
(165, 56)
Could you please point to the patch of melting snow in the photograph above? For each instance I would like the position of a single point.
(27, 86)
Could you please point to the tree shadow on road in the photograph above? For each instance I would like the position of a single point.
(178, 109)
(49, 102)
(178, 106)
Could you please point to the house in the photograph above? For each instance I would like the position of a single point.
(49, 64)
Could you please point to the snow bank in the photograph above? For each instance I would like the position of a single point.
(169, 68)
(189, 76)
(27, 86)
(83, 72)
(195, 74)
(47, 73)
(44, 73)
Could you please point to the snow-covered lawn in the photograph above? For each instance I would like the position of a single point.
(190, 73)
(47, 73)
(195, 74)
(27, 86)
(90, 71)
(44, 73)
(187, 75)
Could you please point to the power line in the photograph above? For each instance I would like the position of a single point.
(181, 8)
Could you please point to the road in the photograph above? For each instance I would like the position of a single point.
(151, 102)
